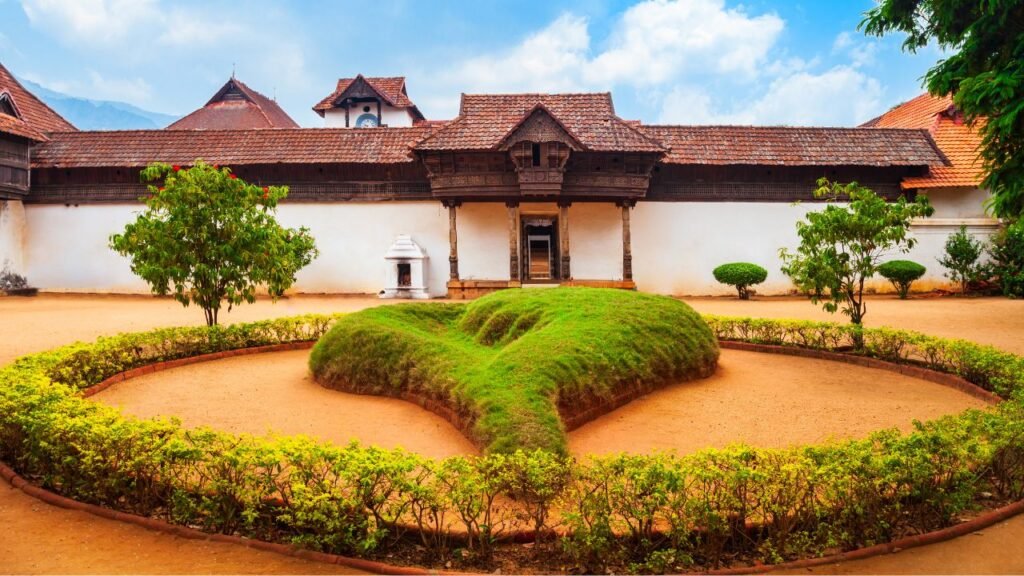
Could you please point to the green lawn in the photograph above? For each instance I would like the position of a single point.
(506, 361)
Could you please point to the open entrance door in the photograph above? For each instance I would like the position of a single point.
(540, 248)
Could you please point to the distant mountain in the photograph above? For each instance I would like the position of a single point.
(88, 114)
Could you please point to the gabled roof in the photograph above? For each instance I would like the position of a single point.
(796, 146)
(135, 148)
(485, 120)
(958, 141)
(390, 89)
(236, 107)
(31, 110)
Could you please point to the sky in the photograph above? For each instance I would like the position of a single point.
(680, 62)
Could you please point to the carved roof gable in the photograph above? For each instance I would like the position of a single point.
(539, 125)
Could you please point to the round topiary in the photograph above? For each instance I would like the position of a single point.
(902, 274)
(742, 275)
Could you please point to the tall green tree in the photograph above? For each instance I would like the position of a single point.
(985, 75)
(209, 238)
(842, 246)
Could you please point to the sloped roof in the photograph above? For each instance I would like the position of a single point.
(15, 126)
(390, 88)
(958, 141)
(795, 146)
(236, 107)
(229, 147)
(31, 110)
(485, 120)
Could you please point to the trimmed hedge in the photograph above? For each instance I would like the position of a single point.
(511, 362)
(742, 275)
(902, 273)
(640, 513)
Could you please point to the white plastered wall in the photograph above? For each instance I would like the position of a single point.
(675, 245)
(67, 246)
(12, 236)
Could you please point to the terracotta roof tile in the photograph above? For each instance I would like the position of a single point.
(248, 109)
(229, 147)
(486, 119)
(32, 110)
(795, 146)
(15, 126)
(958, 141)
(391, 89)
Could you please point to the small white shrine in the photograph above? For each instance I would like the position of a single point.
(406, 270)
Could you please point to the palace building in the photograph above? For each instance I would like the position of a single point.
(516, 190)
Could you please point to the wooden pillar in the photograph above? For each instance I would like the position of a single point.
(453, 242)
(514, 269)
(563, 240)
(627, 247)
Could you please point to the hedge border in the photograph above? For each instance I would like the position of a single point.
(962, 529)
(79, 365)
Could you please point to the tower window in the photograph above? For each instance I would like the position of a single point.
(536, 154)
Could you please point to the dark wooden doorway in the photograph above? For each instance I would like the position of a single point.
(540, 248)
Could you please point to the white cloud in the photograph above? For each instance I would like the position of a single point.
(659, 39)
(860, 51)
(112, 23)
(549, 60)
(840, 96)
(654, 42)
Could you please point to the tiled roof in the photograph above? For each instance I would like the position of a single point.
(229, 147)
(31, 109)
(795, 146)
(958, 141)
(12, 125)
(245, 108)
(391, 89)
(484, 120)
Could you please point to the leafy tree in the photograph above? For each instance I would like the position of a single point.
(902, 274)
(208, 237)
(1007, 253)
(985, 76)
(742, 275)
(961, 261)
(843, 245)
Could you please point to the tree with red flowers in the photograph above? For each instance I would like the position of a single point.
(208, 237)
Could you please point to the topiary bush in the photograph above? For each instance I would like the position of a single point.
(742, 275)
(962, 259)
(902, 273)
(511, 362)
(1007, 253)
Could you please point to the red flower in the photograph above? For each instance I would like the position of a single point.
(161, 188)
(176, 167)
(232, 176)
(216, 166)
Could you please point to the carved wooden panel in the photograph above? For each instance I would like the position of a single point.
(539, 127)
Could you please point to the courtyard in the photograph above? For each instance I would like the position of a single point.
(683, 417)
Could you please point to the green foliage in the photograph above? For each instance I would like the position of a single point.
(1007, 254)
(657, 513)
(842, 246)
(208, 237)
(984, 72)
(742, 275)
(509, 362)
(962, 259)
(902, 273)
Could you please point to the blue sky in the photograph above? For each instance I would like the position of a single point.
(686, 61)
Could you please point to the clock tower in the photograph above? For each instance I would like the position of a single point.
(364, 102)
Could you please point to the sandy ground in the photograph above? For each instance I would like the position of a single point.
(39, 538)
(770, 401)
(274, 392)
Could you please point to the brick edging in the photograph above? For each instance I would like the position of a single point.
(934, 376)
(8, 474)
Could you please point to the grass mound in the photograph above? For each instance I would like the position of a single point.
(507, 362)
